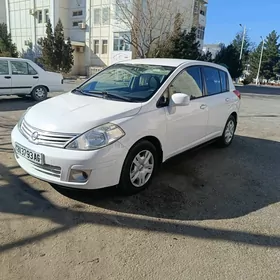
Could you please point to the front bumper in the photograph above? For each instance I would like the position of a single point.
(105, 164)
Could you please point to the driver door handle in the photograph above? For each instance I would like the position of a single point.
(203, 106)
(227, 99)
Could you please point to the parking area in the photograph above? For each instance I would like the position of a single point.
(210, 213)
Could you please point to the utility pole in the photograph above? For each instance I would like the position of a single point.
(243, 39)
(258, 75)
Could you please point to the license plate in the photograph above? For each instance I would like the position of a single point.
(29, 154)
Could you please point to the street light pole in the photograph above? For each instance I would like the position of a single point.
(258, 75)
(243, 39)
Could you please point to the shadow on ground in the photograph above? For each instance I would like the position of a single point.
(15, 103)
(208, 183)
(205, 184)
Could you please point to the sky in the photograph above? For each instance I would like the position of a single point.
(224, 17)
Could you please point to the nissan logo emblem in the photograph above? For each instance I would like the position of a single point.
(34, 136)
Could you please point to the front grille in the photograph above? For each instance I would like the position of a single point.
(45, 138)
(50, 170)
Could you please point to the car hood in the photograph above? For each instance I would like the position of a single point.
(73, 113)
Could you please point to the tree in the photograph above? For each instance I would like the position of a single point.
(255, 60)
(271, 56)
(229, 57)
(7, 47)
(149, 23)
(206, 57)
(47, 45)
(56, 54)
(247, 46)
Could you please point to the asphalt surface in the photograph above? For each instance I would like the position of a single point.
(209, 214)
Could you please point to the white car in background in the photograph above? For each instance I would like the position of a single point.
(119, 126)
(23, 77)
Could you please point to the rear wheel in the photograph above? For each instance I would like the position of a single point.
(139, 168)
(226, 139)
(39, 93)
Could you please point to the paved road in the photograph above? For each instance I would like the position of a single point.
(210, 214)
(260, 90)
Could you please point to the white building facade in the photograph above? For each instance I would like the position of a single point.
(96, 33)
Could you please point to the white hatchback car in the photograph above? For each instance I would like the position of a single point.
(23, 77)
(121, 124)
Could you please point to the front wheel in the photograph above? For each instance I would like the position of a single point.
(139, 168)
(226, 139)
(39, 93)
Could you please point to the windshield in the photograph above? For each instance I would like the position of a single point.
(131, 82)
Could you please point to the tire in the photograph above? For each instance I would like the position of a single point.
(39, 93)
(128, 184)
(228, 134)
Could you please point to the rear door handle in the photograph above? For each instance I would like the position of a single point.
(203, 106)
(227, 100)
(35, 77)
(7, 77)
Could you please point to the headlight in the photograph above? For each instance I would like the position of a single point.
(97, 138)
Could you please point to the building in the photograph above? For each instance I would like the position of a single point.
(213, 48)
(3, 17)
(98, 35)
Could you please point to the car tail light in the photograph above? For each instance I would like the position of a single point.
(237, 93)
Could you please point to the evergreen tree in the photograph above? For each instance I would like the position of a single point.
(7, 47)
(56, 54)
(255, 60)
(229, 57)
(271, 56)
(206, 57)
(59, 45)
(67, 58)
(247, 46)
(181, 45)
(47, 45)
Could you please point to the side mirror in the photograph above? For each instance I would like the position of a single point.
(180, 99)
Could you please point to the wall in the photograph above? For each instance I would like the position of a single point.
(3, 12)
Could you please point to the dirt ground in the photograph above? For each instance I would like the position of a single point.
(210, 213)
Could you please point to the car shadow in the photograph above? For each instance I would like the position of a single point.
(15, 103)
(208, 183)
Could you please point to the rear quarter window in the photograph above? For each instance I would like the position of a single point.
(224, 81)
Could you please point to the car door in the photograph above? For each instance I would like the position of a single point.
(186, 125)
(5, 78)
(217, 100)
(24, 77)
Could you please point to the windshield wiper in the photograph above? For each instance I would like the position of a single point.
(106, 94)
(77, 90)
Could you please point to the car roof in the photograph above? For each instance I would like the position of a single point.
(173, 62)
(14, 58)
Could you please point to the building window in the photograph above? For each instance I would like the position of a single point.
(77, 13)
(96, 17)
(104, 46)
(47, 16)
(105, 16)
(202, 12)
(121, 41)
(40, 16)
(200, 32)
(96, 46)
(76, 23)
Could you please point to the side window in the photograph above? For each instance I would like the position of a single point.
(212, 80)
(22, 68)
(189, 83)
(31, 70)
(196, 75)
(224, 81)
(4, 68)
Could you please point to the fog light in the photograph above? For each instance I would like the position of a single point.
(79, 176)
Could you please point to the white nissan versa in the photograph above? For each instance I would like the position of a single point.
(118, 126)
